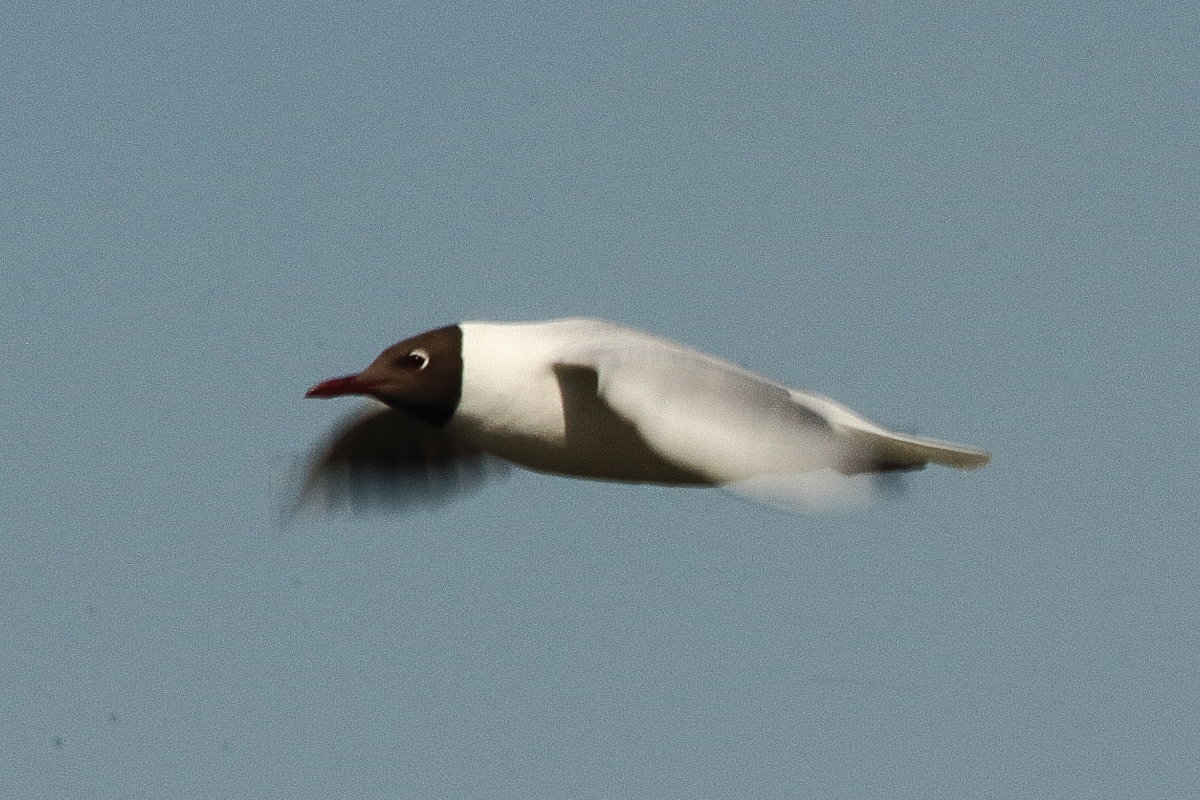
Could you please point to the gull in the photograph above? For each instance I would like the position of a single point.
(591, 399)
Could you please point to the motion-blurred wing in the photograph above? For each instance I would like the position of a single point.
(386, 460)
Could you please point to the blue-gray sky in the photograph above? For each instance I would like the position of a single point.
(977, 222)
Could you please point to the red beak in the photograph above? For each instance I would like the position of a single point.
(336, 387)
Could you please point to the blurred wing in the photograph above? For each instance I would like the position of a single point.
(386, 460)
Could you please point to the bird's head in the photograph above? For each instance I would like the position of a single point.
(421, 375)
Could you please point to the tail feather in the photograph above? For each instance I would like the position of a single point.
(894, 451)
(883, 450)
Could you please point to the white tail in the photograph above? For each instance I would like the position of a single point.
(891, 450)
(901, 450)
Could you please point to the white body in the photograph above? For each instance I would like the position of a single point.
(513, 405)
(592, 399)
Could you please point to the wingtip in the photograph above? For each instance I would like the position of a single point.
(971, 460)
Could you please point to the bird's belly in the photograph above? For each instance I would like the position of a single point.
(612, 457)
(584, 442)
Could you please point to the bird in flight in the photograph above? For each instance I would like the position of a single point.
(590, 399)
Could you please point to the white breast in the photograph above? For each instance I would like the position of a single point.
(512, 406)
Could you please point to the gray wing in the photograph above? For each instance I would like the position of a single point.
(711, 417)
(386, 460)
(741, 430)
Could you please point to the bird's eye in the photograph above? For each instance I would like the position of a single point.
(417, 359)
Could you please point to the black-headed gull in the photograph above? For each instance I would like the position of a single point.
(591, 399)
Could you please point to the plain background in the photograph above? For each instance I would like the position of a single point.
(974, 221)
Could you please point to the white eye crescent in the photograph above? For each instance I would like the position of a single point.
(417, 359)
